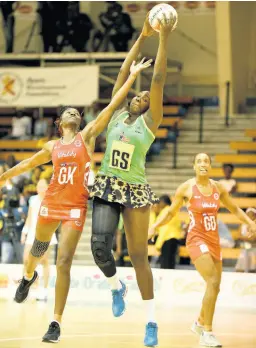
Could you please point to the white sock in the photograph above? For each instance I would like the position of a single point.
(114, 283)
(207, 332)
(29, 278)
(198, 324)
(150, 310)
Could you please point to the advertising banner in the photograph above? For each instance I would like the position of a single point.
(173, 288)
(49, 87)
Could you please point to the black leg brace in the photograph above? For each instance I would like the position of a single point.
(105, 218)
(39, 248)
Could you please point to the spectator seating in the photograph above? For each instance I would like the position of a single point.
(248, 173)
(23, 149)
(235, 158)
(243, 146)
(170, 122)
(250, 133)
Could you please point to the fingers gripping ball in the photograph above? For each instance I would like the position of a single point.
(158, 13)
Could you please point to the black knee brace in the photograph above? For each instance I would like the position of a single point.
(101, 245)
(39, 248)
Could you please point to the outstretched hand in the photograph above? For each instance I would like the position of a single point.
(252, 230)
(147, 30)
(136, 69)
(166, 25)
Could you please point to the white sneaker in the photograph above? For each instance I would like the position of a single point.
(197, 329)
(209, 340)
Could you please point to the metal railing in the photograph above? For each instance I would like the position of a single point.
(175, 145)
(201, 120)
(227, 103)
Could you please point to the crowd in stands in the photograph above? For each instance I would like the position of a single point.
(63, 24)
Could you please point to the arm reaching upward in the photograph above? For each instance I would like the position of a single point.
(131, 56)
(93, 129)
(158, 79)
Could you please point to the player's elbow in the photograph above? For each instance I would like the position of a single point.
(234, 209)
(29, 163)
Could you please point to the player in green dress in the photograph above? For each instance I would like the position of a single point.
(121, 186)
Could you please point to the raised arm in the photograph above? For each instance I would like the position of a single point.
(172, 211)
(41, 157)
(158, 79)
(131, 56)
(94, 128)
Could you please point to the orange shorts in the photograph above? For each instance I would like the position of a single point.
(198, 248)
(70, 218)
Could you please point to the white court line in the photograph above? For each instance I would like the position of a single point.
(122, 334)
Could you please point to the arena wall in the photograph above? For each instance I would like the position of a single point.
(172, 287)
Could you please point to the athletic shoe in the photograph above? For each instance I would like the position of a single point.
(197, 329)
(118, 304)
(151, 339)
(23, 289)
(53, 333)
(209, 340)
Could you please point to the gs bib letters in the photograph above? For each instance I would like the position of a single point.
(121, 155)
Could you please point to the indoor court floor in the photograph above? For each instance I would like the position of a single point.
(89, 326)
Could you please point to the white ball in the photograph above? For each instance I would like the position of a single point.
(156, 13)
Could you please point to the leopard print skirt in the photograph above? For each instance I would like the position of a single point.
(112, 189)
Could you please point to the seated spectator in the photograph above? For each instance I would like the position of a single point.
(2, 170)
(168, 235)
(121, 249)
(11, 223)
(47, 173)
(18, 180)
(21, 126)
(229, 183)
(10, 162)
(41, 125)
(118, 28)
(247, 258)
(91, 112)
(8, 23)
(226, 239)
(30, 185)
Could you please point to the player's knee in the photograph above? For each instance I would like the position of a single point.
(64, 263)
(138, 258)
(101, 251)
(214, 283)
(45, 261)
(39, 248)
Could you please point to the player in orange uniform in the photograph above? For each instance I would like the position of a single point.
(66, 197)
(203, 196)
